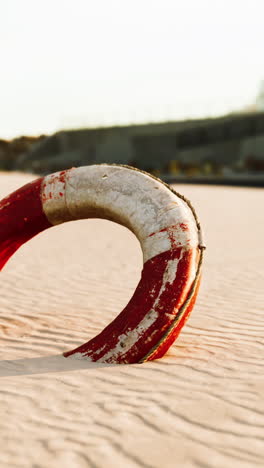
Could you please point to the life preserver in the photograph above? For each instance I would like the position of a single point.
(167, 229)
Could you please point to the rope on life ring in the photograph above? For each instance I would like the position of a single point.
(166, 226)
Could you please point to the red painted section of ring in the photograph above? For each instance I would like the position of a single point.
(141, 304)
(21, 218)
(169, 340)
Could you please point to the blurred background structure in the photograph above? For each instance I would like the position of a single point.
(174, 89)
(260, 98)
(225, 149)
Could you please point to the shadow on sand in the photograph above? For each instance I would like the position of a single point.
(45, 364)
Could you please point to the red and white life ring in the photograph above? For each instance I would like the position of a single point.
(167, 229)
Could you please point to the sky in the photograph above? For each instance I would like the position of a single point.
(69, 64)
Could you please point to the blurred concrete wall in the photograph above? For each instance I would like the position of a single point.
(226, 141)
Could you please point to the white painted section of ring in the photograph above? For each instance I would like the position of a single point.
(80, 357)
(128, 197)
(161, 241)
(53, 198)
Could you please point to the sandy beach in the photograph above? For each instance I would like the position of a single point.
(200, 406)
